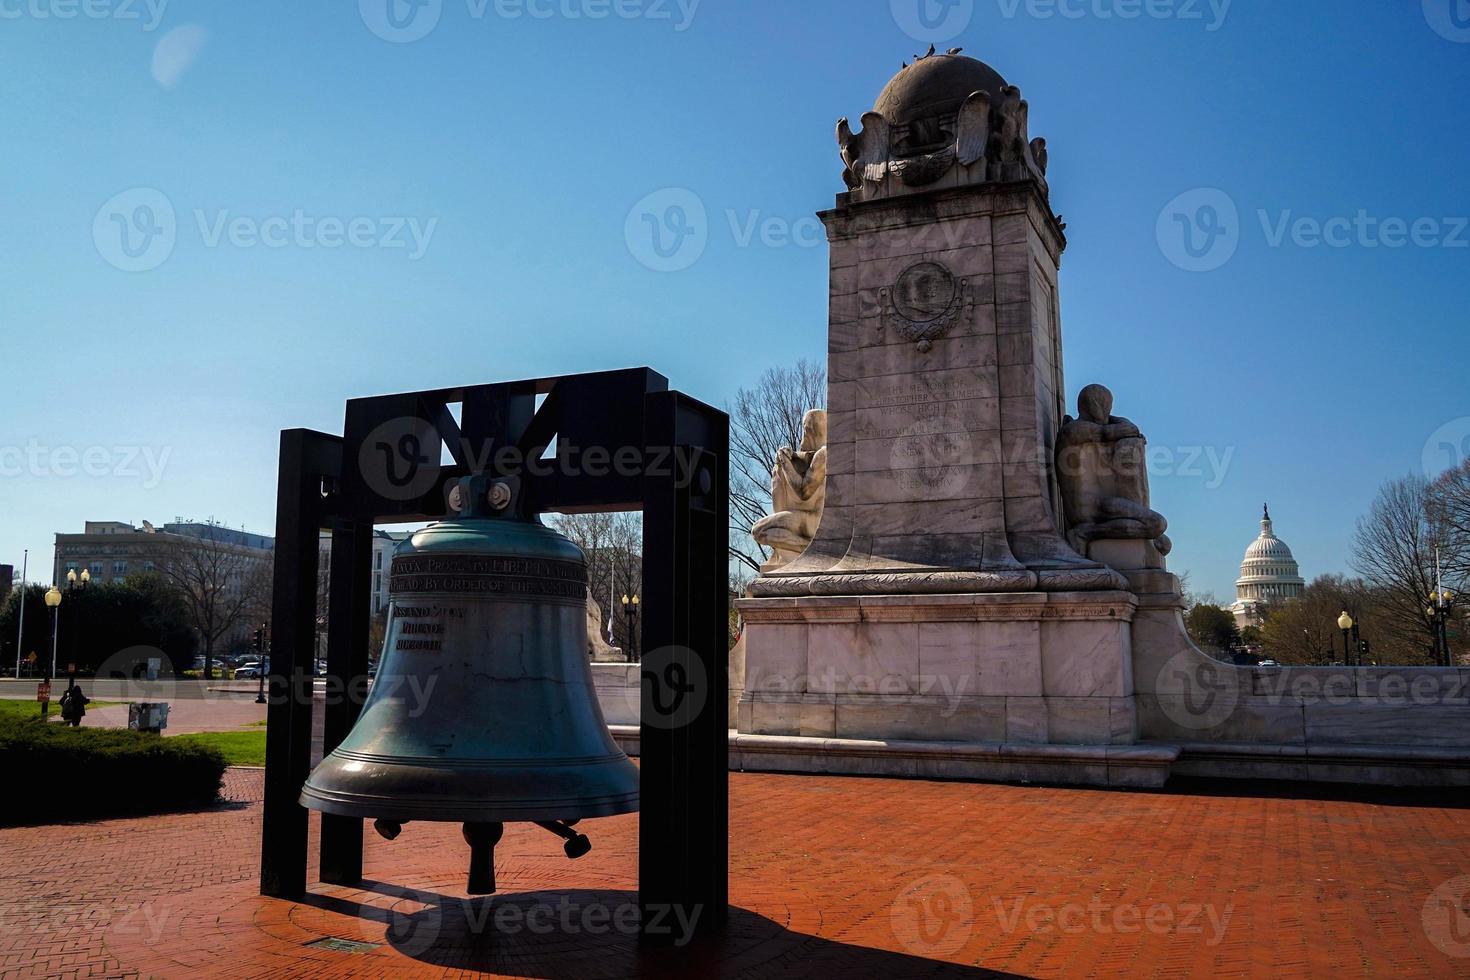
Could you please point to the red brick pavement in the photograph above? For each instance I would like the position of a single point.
(829, 876)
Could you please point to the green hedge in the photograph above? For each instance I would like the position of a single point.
(56, 773)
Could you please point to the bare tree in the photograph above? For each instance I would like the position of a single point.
(613, 544)
(1449, 510)
(222, 585)
(1304, 630)
(763, 419)
(1395, 550)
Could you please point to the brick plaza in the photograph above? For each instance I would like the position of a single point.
(829, 876)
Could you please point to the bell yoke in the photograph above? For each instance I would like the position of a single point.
(483, 711)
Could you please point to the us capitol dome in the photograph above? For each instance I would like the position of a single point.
(1268, 574)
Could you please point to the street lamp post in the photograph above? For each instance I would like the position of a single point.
(53, 601)
(260, 648)
(1345, 623)
(73, 582)
(1438, 614)
(630, 610)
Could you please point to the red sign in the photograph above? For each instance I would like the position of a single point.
(43, 691)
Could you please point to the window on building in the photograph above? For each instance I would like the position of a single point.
(148, 566)
(95, 568)
(119, 568)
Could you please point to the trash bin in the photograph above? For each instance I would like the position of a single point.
(148, 716)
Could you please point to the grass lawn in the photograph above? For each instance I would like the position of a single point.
(32, 709)
(245, 748)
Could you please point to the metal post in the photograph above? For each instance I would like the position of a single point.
(683, 850)
(20, 631)
(348, 610)
(1347, 653)
(260, 668)
(293, 625)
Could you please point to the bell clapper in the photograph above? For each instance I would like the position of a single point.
(388, 829)
(576, 844)
(482, 838)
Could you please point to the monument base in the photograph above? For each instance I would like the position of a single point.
(984, 678)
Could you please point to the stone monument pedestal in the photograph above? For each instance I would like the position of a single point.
(1001, 673)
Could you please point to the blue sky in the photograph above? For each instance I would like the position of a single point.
(453, 209)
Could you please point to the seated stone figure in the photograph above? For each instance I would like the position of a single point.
(798, 491)
(1103, 471)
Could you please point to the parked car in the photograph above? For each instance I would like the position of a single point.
(251, 671)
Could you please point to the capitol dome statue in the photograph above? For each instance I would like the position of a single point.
(1268, 574)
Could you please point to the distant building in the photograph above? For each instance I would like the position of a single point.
(110, 551)
(114, 551)
(1268, 574)
(383, 544)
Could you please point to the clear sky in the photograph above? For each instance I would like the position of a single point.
(422, 211)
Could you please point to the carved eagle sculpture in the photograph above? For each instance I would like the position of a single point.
(866, 154)
(972, 129)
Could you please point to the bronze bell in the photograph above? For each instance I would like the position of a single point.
(483, 710)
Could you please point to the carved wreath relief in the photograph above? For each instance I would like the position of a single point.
(924, 303)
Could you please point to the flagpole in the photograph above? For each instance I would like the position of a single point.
(20, 631)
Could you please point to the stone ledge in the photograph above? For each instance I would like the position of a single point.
(1381, 765)
(1134, 766)
(942, 607)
